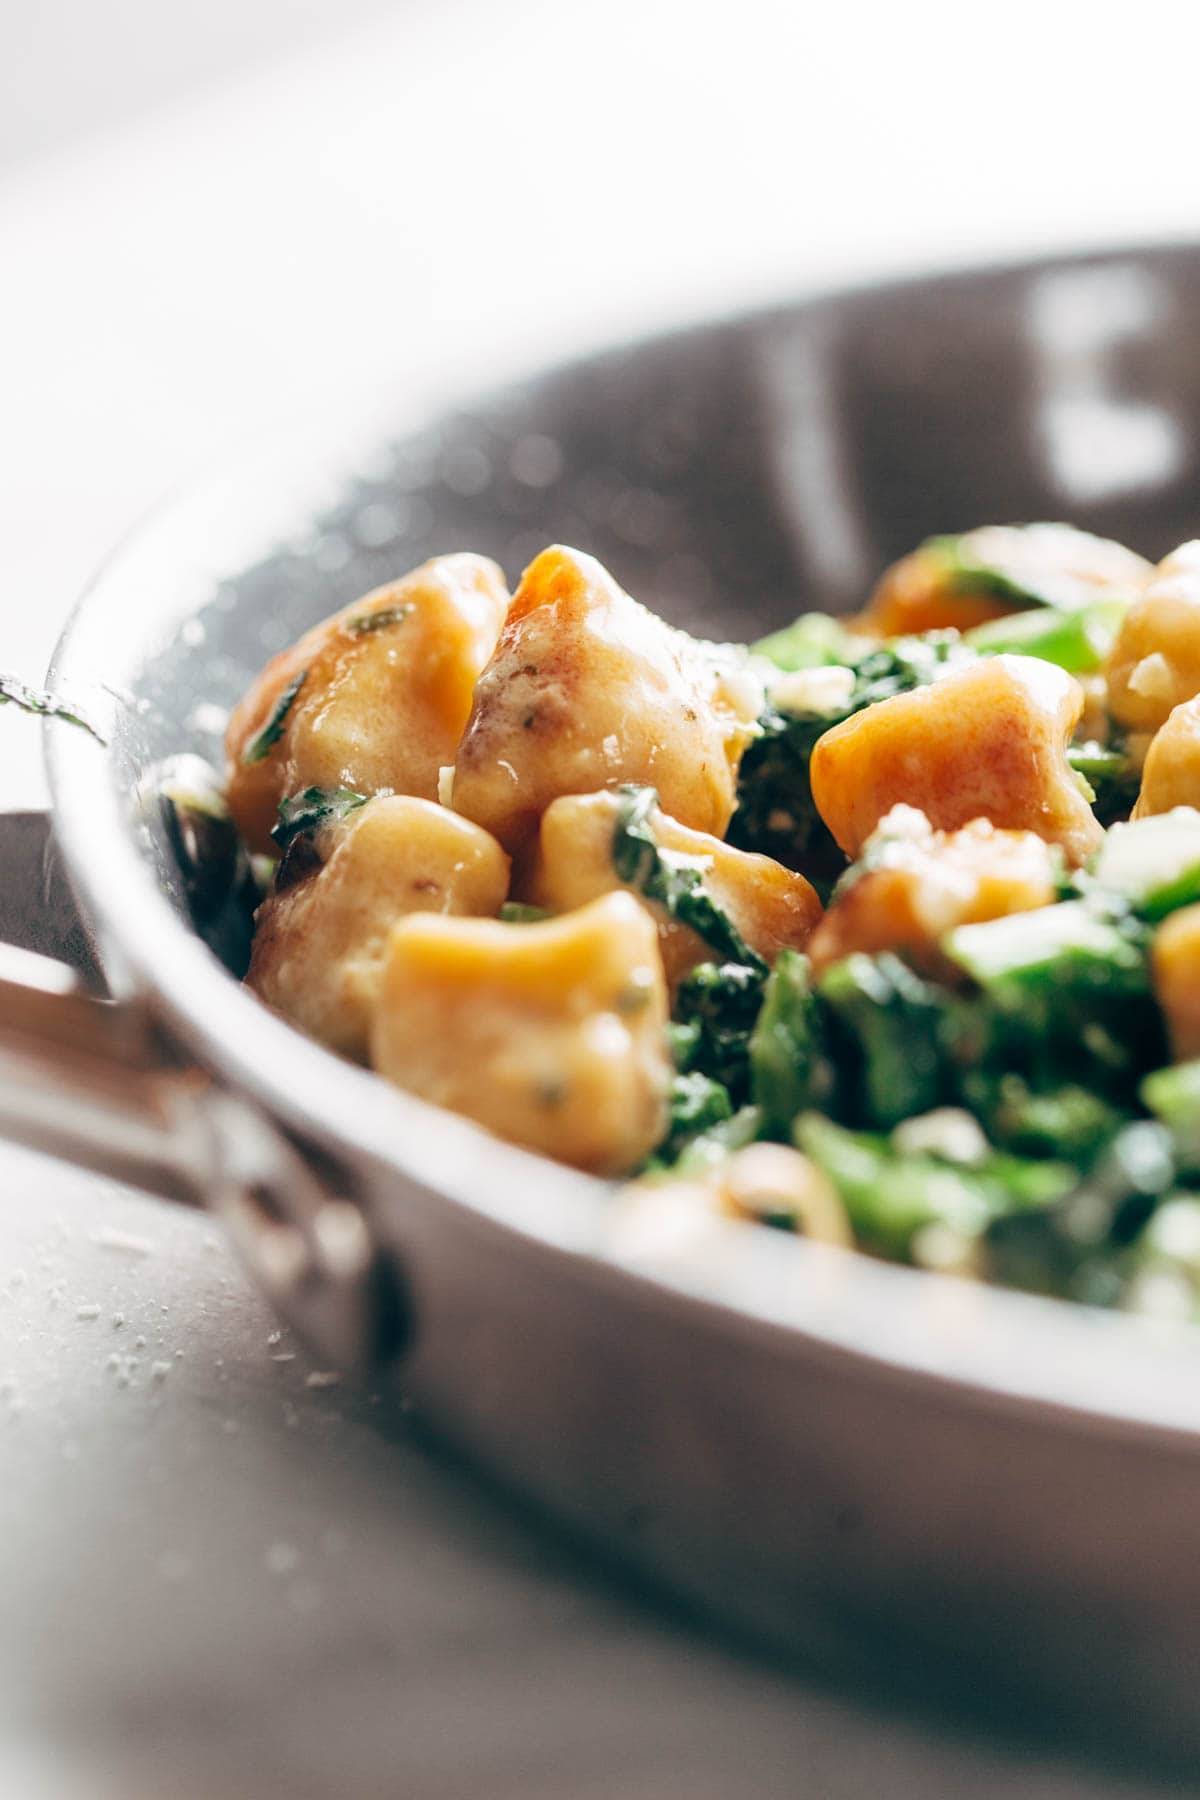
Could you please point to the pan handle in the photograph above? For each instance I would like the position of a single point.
(97, 1081)
(91, 1080)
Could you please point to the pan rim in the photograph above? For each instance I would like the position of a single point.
(1055, 1362)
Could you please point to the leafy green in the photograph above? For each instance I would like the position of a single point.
(965, 572)
(790, 1069)
(264, 741)
(1077, 639)
(813, 641)
(905, 663)
(1173, 1096)
(698, 1104)
(775, 811)
(718, 1005)
(1076, 1247)
(711, 1147)
(1111, 775)
(1065, 994)
(14, 692)
(1067, 1121)
(306, 812)
(671, 879)
(888, 1022)
(975, 562)
(892, 1197)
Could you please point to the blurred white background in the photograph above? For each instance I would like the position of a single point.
(215, 220)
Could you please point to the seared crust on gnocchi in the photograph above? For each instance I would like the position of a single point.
(987, 741)
(505, 884)
(587, 689)
(320, 941)
(772, 907)
(918, 884)
(374, 698)
(553, 1035)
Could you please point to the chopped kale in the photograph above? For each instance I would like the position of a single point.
(813, 641)
(1068, 1121)
(264, 741)
(775, 811)
(1111, 776)
(894, 1198)
(718, 1005)
(1077, 1246)
(965, 570)
(790, 1067)
(1063, 993)
(698, 1104)
(711, 1147)
(887, 1022)
(673, 880)
(1173, 1096)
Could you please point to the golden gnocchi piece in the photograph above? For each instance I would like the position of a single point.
(320, 941)
(374, 698)
(1176, 960)
(998, 569)
(551, 1035)
(986, 741)
(1154, 666)
(921, 883)
(773, 908)
(1171, 772)
(586, 690)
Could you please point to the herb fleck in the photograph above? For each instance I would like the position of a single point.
(304, 813)
(264, 741)
(365, 623)
(37, 700)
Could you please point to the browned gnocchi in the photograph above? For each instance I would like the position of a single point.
(986, 741)
(321, 934)
(588, 689)
(374, 698)
(551, 1034)
(772, 907)
(848, 933)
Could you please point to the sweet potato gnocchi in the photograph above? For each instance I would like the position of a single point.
(849, 933)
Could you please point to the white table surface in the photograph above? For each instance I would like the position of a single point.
(216, 1578)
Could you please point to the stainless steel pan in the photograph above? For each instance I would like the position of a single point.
(854, 1460)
